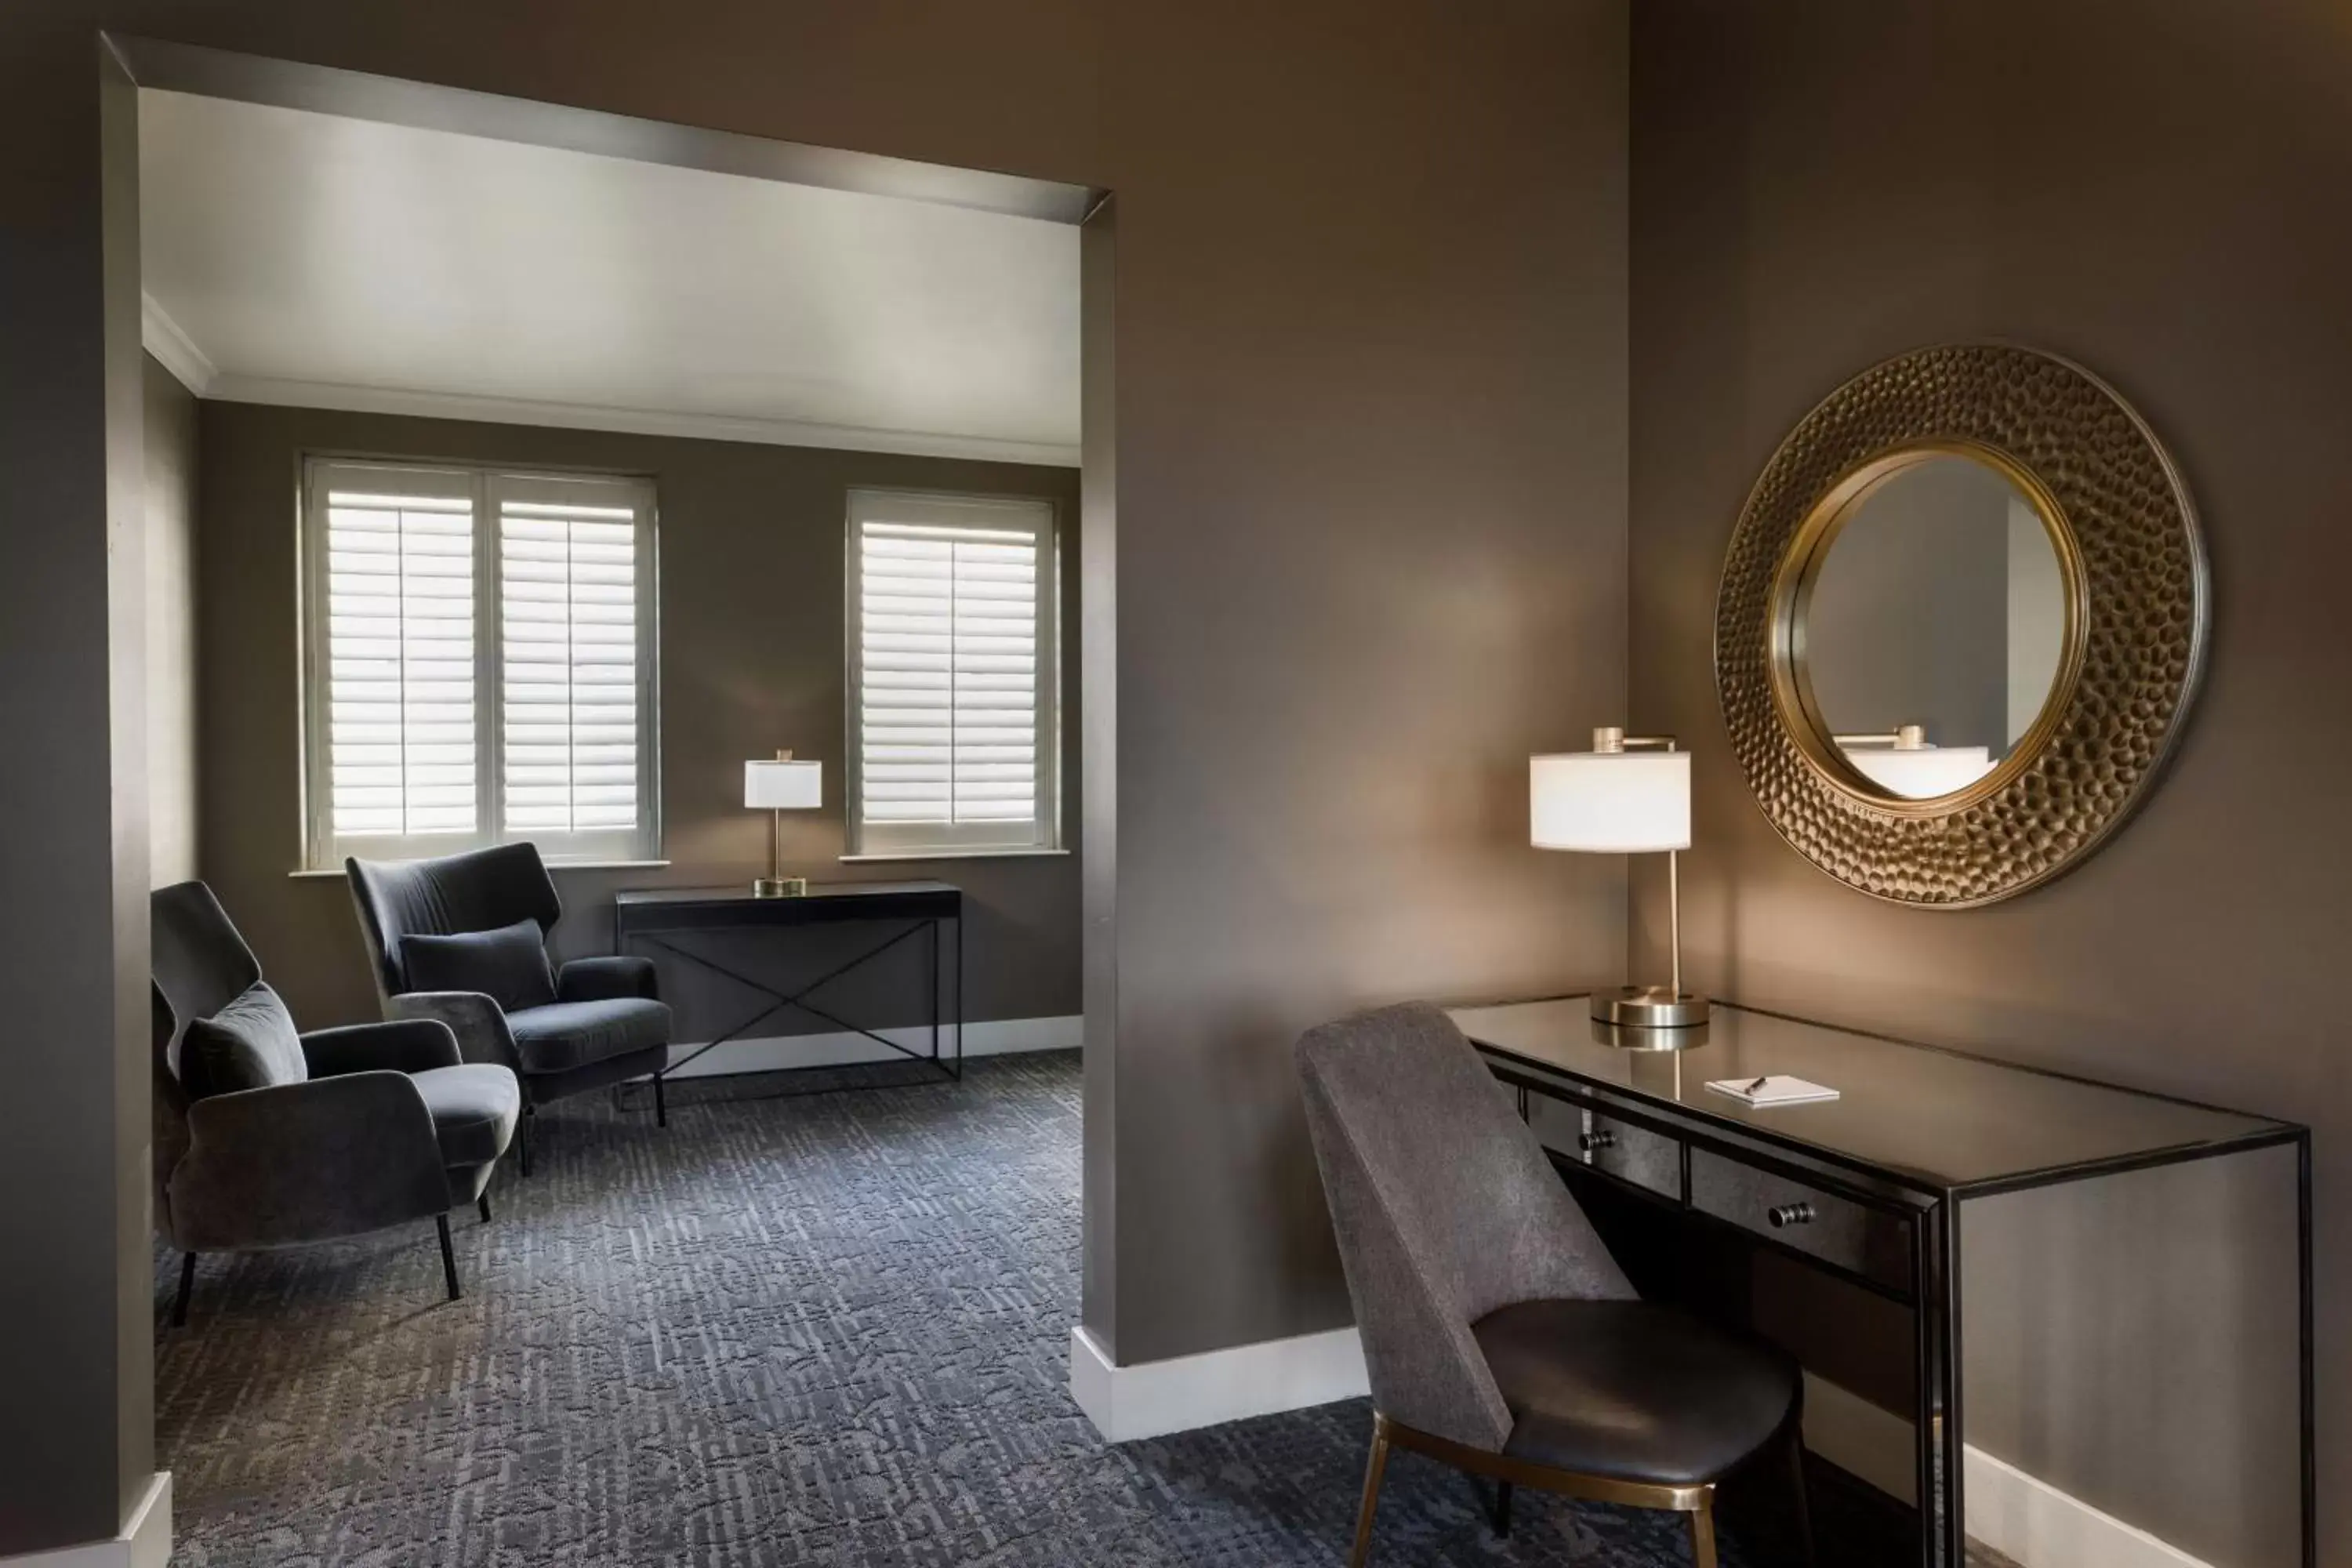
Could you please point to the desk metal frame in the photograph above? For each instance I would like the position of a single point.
(657, 917)
(1930, 1212)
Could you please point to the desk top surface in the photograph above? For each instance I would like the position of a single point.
(1931, 1118)
(738, 893)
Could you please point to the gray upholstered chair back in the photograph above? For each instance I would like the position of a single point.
(200, 965)
(480, 889)
(1445, 1208)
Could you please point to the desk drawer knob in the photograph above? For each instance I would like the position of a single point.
(1783, 1215)
(1593, 1142)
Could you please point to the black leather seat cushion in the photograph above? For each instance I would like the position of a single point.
(1634, 1391)
(567, 1035)
(474, 1111)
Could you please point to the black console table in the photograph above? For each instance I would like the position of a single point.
(659, 917)
(1867, 1186)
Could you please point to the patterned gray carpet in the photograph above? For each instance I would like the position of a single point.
(829, 1329)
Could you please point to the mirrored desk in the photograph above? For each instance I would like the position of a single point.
(1867, 1186)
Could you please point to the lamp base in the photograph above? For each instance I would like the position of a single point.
(1649, 1007)
(780, 887)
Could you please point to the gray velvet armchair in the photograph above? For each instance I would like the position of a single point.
(266, 1138)
(595, 1022)
(1500, 1336)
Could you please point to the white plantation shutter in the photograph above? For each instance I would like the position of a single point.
(954, 676)
(571, 754)
(400, 715)
(480, 662)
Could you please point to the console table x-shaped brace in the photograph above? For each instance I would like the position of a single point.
(779, 1000)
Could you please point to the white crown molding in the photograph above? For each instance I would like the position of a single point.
(289, 393)
(145, 1540)
(172, 348)
(1152, 1398)
(2026, 1520)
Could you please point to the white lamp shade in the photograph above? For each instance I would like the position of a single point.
(1610, 803)
(1922, 773)
(783, 787)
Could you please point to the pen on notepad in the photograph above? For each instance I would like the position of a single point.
(1758, 1085)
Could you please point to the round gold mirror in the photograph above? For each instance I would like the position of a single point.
(1962, 616)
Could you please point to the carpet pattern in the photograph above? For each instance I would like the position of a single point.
(825, 1330)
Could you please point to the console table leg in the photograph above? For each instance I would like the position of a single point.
(1955, 1438)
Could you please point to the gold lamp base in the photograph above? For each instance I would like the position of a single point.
(1649, 1007)
(780, 887)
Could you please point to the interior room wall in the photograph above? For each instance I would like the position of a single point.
(1371, 496)
(753, 618)
(171, 515)
(2154, 192)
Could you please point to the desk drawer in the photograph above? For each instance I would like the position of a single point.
(1833, 1229)
(1631, 1154)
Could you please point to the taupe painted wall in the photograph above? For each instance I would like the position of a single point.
(2157, 192)
(171, 511)
(1370, 493)
(752, 625)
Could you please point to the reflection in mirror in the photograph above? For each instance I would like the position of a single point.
(1935, 628)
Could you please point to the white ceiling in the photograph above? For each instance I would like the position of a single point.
(305, 258)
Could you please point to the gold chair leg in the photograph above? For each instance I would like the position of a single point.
(1373, 1468)
(1702, 1524)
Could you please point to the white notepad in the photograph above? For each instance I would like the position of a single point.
(1774, 1088)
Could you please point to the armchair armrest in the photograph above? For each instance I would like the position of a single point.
(306, 1162)
(602, 979)
(403, 1045)
(476, 1021)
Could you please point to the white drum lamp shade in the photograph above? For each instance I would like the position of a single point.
(783, 787)
(1921, 772)
(1610, 803)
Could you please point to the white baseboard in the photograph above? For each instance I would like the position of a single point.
(145, 1540)
(2023, 1518)
(992, 1037)
(1150, 1399)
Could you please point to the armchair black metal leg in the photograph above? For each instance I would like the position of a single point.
(483, 1202)
(661, 1107)
(522, 1138)
(187, 1285)
(448, 1255)
(1502, 1510)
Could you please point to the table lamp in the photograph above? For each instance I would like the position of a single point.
(1905, 762)
(776, 788)
(1627, 795)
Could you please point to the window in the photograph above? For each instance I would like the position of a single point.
(953, 680)
(472, 684)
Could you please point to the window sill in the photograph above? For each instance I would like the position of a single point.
(953, 854)
(337, 872)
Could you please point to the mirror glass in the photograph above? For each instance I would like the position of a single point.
(1935, 625)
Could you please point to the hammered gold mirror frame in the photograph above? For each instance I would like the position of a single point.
(2122, 661)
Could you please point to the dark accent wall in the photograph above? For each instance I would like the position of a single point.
(1370, 493)
(753, 617)
(2156, 190)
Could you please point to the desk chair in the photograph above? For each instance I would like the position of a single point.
(1501, 1337)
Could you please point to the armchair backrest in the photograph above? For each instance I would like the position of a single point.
(480, 889)
(1445, 1208)
(199, 964)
